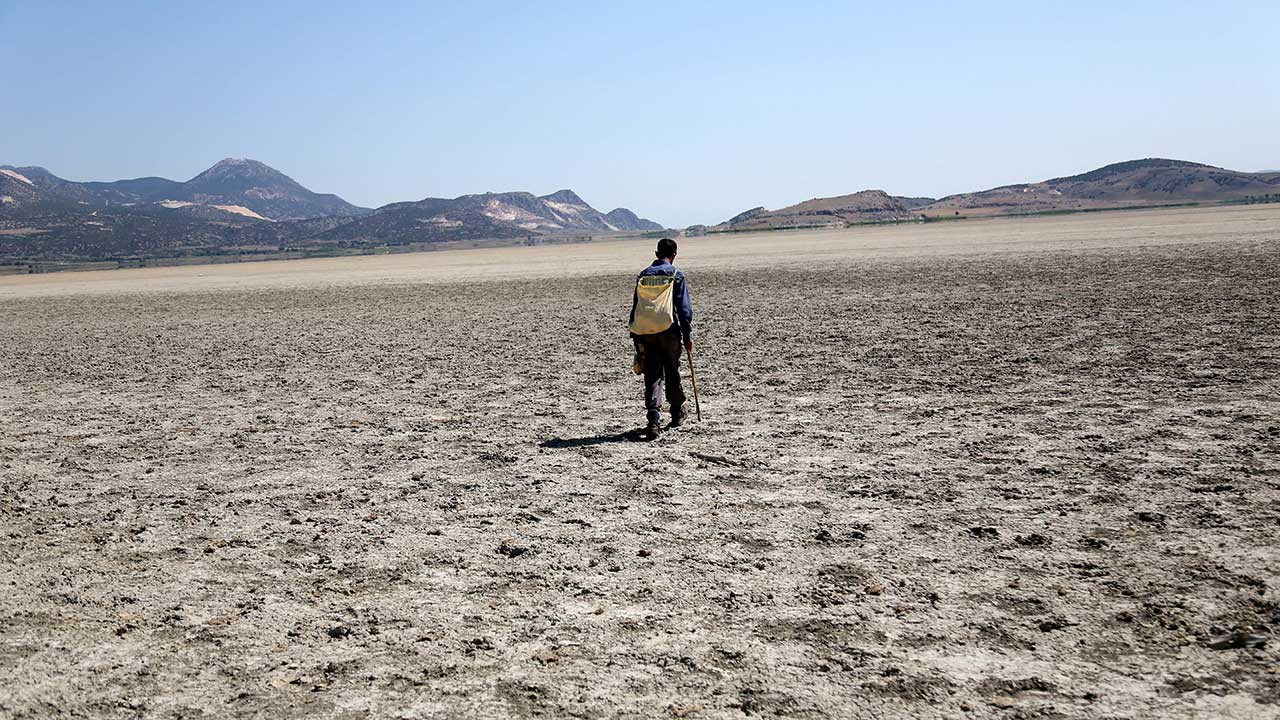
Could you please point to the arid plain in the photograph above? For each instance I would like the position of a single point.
(986, 469)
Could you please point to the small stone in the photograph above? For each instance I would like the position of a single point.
(339, 632)
(1032, 540)
(546, 657)
(644, 552)
(986, 533)
(509, 548)
(1237, 640)
(875, 589)
(1055, 623)
(1151, 516)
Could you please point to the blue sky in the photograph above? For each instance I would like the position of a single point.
(684, 112)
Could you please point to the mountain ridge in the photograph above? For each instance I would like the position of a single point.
(240, 205)
(1131, 183)
(232, 181)
(243, 205)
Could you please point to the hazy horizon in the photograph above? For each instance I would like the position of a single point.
(681, 115)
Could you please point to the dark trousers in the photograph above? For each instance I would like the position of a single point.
(661, 363)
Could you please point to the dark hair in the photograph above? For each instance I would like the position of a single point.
(666, 248)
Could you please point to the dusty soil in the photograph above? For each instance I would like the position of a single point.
(999, 480)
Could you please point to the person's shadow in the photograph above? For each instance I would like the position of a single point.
(636, 435)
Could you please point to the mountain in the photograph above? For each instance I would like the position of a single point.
(1150, 181)
(242, 184)
(427, 221)
(624, 219)
(246, 206)
(262, 189)
(860, 207)
(560, 211)
(1134, 183)
(483, 216)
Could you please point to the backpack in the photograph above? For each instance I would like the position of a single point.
(655, 304)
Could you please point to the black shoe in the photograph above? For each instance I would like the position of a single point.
(652, 431)
(678, 417)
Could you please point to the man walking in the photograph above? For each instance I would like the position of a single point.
(662, 320)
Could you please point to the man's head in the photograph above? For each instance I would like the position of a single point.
(666, 249)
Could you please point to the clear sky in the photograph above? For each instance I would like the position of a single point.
(683, 112)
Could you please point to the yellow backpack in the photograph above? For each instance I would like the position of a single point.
(655, 304)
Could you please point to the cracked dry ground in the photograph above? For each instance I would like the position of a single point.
(1008, 485)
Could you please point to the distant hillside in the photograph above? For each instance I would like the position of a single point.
(17, 192)
(1135, 183)
(262, 189)
(121, 232)
(860, 207)
(484, 216)
(915, 202)
(1151, 181)
(245, 206)
(624, 219)
(246, 184)
(560, 211)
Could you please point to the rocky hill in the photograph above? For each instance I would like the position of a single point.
(624, 219)
(470, 217)
(860, 207)
(262, 189)
(561, 211)
(1150, 181)
(18, 193)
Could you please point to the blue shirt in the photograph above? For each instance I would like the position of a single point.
(684, 308)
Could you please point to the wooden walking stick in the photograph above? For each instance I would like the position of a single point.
(693, 377)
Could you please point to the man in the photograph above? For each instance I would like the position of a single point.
(661, 320)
